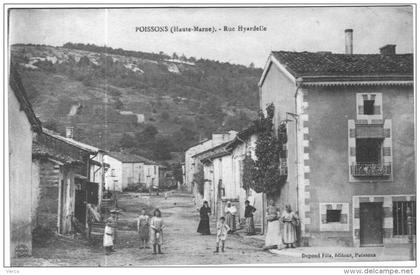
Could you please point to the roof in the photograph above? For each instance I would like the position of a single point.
(40, 151)
(130, 158)
(15, 83)
(241, 136)
(73, 142)
(326, 66)
(198, 143)
(214, 152)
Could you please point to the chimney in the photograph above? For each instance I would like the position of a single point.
(348, 34)
(387, 49)
(69, 132)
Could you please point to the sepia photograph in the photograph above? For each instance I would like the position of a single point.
(206, 136)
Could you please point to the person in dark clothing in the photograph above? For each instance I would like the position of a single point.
(204, 225)
(249, 218)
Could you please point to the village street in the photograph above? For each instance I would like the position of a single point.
(182, 245)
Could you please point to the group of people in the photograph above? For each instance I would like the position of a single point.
(150, 230)
(274, 236)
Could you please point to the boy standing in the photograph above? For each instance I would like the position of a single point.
(222, 232)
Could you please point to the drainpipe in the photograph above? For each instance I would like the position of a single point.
(296, 117)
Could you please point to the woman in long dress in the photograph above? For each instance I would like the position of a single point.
(204, 225)
(230, 213)
(291, 221)
(273, 237)
(143, 229)
(156, 231)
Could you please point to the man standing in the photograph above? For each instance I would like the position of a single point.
(249, 218)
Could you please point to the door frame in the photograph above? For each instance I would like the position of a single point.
(362, 225)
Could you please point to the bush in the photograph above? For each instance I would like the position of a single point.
(135, 187)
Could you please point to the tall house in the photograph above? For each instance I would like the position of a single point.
(22, 126)
(350, 149)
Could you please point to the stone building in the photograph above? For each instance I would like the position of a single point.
(351, 151)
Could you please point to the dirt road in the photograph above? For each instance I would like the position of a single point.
(182, 245)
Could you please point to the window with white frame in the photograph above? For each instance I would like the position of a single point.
(334, 216)
(369, 106)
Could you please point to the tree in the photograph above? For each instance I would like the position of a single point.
(147, 135)
(162, 148)
(177, 172)
(267, 177)
(174, 56)
(165, 115)
(127, 141)
(248, 167)
(252, 65)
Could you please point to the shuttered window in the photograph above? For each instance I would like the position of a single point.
(399, 213)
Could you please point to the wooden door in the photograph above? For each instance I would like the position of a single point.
(80, 201)
(371, 224)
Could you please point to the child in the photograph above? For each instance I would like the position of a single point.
(108, 237)
(156, 231)
(222, 231)
(249, 217)
(143, 229)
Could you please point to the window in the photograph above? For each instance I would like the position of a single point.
(154, 169)
(368, 150)
(368, 107)
(333, 215)
(399, 213)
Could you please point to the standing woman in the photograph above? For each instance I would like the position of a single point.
(143, 229)
(230, 213)
(273, 237)
(291, 221)
(156, 231)
(204, 225)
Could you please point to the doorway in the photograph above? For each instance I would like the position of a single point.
(80, 200)
(371, 224)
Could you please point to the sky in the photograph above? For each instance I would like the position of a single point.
(288, 28)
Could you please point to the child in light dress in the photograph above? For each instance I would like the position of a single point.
(156, 231)
(143, 225)
(108, 241)
(222, 232)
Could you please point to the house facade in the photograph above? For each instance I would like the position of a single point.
(350, 149)
(59, 170)
(192, 163)
(127, 170)
(243, 145)
(223, 171)
(76, 182)
(22, 126)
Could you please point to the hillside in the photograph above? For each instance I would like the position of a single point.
(153, 104)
